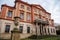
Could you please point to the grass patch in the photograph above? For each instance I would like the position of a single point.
(43, 38)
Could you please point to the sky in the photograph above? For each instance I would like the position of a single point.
(51, 6)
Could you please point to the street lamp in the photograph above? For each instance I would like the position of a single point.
(16, 22)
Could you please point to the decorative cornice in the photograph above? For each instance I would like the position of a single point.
(35, 5)
(4, 5)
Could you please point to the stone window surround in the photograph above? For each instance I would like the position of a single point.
(22, 6)
(28, 8)
(10, 13)
(6, 26)
(22, 17)
(28, 16)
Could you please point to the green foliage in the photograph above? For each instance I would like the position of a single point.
(44, 38)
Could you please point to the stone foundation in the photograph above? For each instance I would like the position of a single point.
(8, 35)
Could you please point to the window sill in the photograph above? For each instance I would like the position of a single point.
(9, 17)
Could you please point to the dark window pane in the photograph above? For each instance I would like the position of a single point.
(21, 29)
(22, 15)
(48, 30)
(22, 6)
(40, 29)
(28, 8)
(29, 17)
(51, 30)
(28, 29)
(9, 14)
(7, 29)
(45, 30)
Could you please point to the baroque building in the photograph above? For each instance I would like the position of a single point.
(34, 19)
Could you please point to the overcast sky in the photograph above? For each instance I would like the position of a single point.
(52, 6)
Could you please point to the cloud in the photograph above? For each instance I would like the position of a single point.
(56, 13)
(8, 2)
(51, 6)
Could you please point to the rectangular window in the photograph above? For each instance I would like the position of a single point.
(41, 13)
(45, 30)
(22, 15)
(21, 29)
(0, 13)
(40, 29)
(35, 17)
(28, 8)
(22, 6)
(35, 10)
(48, 30)
(28, 29)
(29, 16)
(38, 11)
(7, 28)
(9, 14)
(51, 30)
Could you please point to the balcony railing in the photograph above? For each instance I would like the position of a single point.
(41, 21)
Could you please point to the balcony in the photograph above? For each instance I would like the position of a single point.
(40, 21)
